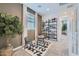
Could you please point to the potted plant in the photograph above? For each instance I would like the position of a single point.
(64, 29)
(9, 27)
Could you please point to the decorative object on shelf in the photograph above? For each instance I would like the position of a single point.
(10, 26)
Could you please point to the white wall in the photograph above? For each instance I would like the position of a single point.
(72, 38)
(24, 24)
(78, 26)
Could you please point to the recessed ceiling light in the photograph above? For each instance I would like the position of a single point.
(39, 6)
(47, 9)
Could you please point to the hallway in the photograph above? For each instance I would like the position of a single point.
(44, 29)
(56, 49)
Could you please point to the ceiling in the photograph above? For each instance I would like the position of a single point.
(44, 8)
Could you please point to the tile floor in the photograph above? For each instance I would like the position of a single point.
(59, 48)
(21, 52)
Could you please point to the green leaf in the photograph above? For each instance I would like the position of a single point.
(9, 25)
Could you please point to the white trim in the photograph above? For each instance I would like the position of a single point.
(17, 48)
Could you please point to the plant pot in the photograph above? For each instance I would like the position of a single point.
(7, 51)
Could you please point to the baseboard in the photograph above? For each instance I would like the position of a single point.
(17, 48)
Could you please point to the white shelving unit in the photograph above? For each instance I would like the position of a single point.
(50, 27)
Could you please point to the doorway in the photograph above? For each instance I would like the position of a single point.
(71, 18)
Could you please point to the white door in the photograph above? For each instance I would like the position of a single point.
(72, 37)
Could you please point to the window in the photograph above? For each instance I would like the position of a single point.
(30, 21)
